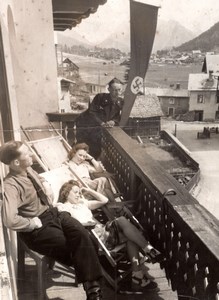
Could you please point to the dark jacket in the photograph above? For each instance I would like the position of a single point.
(101, 109)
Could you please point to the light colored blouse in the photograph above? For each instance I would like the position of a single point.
(82, 170)
(83, 214)
(78, 211)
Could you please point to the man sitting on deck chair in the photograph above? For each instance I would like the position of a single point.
(120, 230)
(26, 209)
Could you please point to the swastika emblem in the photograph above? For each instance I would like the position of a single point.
(137, 85)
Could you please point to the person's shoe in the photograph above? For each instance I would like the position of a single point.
(146, 273)
(154, 255)
(144, 283)
(151, 286)
(131, 290)
(139, 287)
(93, 291)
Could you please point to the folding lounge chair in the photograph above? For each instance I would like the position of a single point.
(112, 261)
(50, 151)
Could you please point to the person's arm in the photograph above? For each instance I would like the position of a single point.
(95, 109)
(99, 199)
(116, 119)
(95, 166)
(11, 218)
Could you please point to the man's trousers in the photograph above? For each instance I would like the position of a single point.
(65, 240)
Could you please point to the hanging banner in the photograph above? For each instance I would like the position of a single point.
(143, 23)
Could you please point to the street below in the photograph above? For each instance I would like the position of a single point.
(206, 153)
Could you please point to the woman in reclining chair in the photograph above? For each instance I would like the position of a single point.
(84, 165)
(72, 201)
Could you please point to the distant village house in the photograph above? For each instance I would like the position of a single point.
(203, 90)
(64, 94)
(70, 68)
(203, 97)
(174, 100)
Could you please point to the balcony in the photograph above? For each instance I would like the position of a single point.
(175, 222)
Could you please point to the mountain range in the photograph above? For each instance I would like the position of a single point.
(71, 38)
(169, 34)
(206, 42)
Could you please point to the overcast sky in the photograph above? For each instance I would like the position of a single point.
(196, 15)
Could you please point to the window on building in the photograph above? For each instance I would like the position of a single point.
(171, 100)
(200, 99)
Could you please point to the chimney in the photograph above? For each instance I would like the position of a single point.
(177, 86)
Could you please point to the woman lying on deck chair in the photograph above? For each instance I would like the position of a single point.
(72, 201)
(86, 167)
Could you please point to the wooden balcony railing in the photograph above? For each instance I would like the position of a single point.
(176, 224)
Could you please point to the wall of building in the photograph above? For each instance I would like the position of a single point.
(209, 105)
(28, 41)
(180, 105)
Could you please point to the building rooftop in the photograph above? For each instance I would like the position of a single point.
(168, 92)
(70, 62)
(211, 63)
(199, 82)
(146, 106)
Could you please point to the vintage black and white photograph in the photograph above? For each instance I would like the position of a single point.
(109, 150)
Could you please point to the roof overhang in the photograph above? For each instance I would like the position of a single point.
(69, 13)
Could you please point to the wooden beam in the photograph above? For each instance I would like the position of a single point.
(76, 6)
(70, 15)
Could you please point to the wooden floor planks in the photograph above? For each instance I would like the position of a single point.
(60, 285)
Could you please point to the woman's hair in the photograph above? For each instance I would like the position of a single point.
(65, 190)
(76, 147)
(10, 151)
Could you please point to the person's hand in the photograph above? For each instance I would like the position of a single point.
(88, 156)
(101, 165)
(110, 123)
(85, 189)
(103, 124)
(37, 222)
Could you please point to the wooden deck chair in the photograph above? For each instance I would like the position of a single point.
(39, 132)
(56, 178)
(50, 152)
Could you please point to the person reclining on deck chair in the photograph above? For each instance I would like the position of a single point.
(26, 208)
(85, 166)
(118, 231)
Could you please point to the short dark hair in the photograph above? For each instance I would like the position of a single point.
(76, 147)
(65, 190)
(9, 151)
(114, 80)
